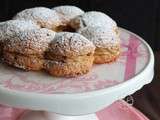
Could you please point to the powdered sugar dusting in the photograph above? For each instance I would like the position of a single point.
(30, 41)
(100, 36)
(92, 18)
(9, 28)
(45, 17)
(71, 44)
(69, 11)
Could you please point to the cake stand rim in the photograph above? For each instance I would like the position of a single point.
(150, 62)
(15, 95)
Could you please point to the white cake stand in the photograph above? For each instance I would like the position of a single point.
(78, 98)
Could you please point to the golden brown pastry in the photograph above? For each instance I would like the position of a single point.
(44, 17)
(27, 48)
(106, 40)
(92, 18)
(69, 55)
(67, 12)
(9, 28)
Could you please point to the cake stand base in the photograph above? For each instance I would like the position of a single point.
(34, 115)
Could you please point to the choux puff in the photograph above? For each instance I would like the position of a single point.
(44, 17)
(107, 43)
(67, 12)
(9, 28)
(69, 55)
(92, 18)
(27, 48)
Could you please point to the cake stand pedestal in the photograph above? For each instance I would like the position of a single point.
(77, 98)
(32, 115)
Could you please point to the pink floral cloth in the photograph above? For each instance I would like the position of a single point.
(119, 110)
(9, 113)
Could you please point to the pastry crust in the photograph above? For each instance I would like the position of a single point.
(69, 55)
(44, 17)
(106, 55)
(9, 28)
(30, 42)
(31, 62)
(26, 49)
(92, 18)
(70, 44)
(67, 12)
(71, 67)
(107, 43)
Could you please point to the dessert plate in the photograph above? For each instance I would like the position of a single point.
(86, 94)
